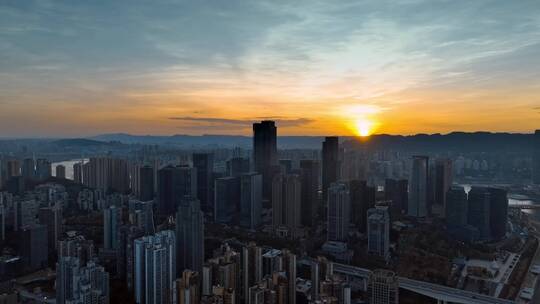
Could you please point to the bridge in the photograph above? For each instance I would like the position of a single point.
(441, 293)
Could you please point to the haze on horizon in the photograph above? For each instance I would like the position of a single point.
(74, 68)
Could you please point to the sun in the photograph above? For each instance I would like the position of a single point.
(364, 127)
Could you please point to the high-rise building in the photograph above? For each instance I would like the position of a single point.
(479, 211)
(51, 217)
(155, 268)
(418, 191)
(13, 168)
(141, 214)
(338, 212)
(33, 246)
(187, 288)
(61, 171)
(29, 169)
(265, 153)
(226, 199)
(456, 207)
(443, 182)
(146, 183)
(536, 158)
(78, 172)
(330, 163)
(252, 268)
(286, 203)
(250, 200)
(77, 283)
(204, 164)
(125, 259)
(383, 287)
(189, 236)
(286, 165)
(362, 198)
(378, 228)
(237, 166)
(289, 267)
(498, 212)
(43, 169)
(106, 173)
(76, 246)
(111, 222)
(309, 173)
(397, 192)
(174, 183)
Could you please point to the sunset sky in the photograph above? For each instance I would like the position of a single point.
(82, 68)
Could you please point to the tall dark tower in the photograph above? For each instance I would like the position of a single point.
(536, 158)
(146, 183)
(330, 163)
(204, 163)
(265, 153)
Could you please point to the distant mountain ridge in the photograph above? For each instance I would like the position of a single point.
(455, 141)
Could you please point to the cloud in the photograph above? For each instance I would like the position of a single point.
(281, 122)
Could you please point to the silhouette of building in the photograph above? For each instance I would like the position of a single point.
(330, 163)
(286, 203)
(29, 169)
(418, 191)
(536, 158)
(338, 212)
(227, 199)
(397, 192)
(78, 172)
(51, 217)
(112, 217)
(61, 171)
(204, 164)
(383, 287)
(362, 198)
(498, 212)
(443, 182)
(250, 200)
(33, 246)
(479, 213)
(265, 153)
(189, 235)
(146, 183)
(456, 207)
(309, 175)
(174, 183)
(237, 166)
(378, 228)
(141, 214)
(155, 268)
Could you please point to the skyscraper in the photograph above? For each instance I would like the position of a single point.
(33, 246)
(187, 288)
(309, 174)
(250, 200)
(226, 199)
(78, 172)
(79, 283)
(338, 212)
(43, 169)
(61, 171)
(286, 202)
(330, 163)
(155, 268)
(443, 182)
(479, 211)
(378, 228)
(536, 158)
(418, 191)
(498, 212)
(146, 183)
(383, 287)
(111, 223)
(265, 153)
(456, 207)
(397, 192)
(189, 235)
(141, 214)
(29, 169)
(51, 217)
(237, 166)
(204, 164)
(362, 198)
(174, 183)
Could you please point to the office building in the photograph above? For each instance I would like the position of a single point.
(378, 228)
(76, 246)
(251, 267)
(309, 176)
(112, 217)
(237, 166)
(189, 236)
(33, 247)
(125, 259)
(174, 183)
(443, 182)
(397, 192)
(43, 169)
(250, 200)
(286, 203)
(51, 217)
(146, 183)
(204, 164)
(141, 214)
(362, 197)
(536, 158)
(155, 269)
(498, 212)
(13, 168)
(456, 207)
(29, 169)
(78, 172)
(226, 199)
(330, 163)
(383, 287)
(265, 153)
(418, 191)
(338, 212)
(77, 283)
(479, 213)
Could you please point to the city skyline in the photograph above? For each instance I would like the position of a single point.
(316, 68)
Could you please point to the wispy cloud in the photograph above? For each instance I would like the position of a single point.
(281, 122)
